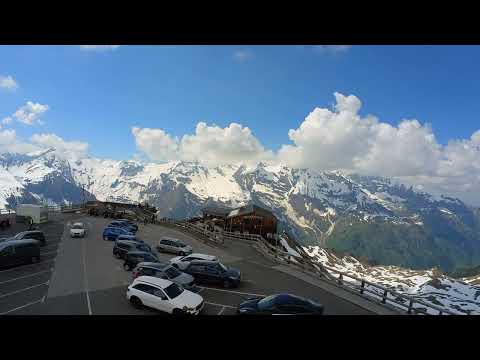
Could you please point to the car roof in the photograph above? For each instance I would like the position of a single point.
(156, 265)
(204, 262)
(29, 232)
(5, 243)
(130, 242)
(203, 256)
(163, 283)
(78, 223)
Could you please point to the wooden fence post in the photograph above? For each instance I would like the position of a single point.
(410, 306)
(340, 278)
(362, 286)
(384, 298)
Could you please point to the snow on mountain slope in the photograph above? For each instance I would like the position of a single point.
(458, 296)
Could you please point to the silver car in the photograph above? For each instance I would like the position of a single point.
(164, 271)
(174, 246)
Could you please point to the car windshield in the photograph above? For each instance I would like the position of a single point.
(173, 290)
(77, 226)
(266, 303)
(18, 236)
(172, 272)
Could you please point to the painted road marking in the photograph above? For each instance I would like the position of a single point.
(24, 266)
(24, 306)
(26, 276)
(221, 311)
(86, 279)
(232, 292)
(223, 306)
(25, 289)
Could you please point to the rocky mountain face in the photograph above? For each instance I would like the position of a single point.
(371, 218)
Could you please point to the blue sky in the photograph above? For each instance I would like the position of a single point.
(97, 96)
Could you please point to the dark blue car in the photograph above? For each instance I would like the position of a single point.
(123, 225)
(112, 233)
(130, 238)
(280, 304)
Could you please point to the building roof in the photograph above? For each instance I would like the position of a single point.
(251, 208)
(217, 211)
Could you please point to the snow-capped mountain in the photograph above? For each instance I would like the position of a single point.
(369, 217)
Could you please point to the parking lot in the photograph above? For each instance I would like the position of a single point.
(80, 276)
(23, 287)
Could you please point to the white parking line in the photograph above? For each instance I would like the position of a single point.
(25, 289)
(24, 266)
(221, 311)
(26, 276)
(231, 291)
(223, 306)
(23, 306)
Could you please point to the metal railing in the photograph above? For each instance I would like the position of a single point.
(210, 236)
(357, 285)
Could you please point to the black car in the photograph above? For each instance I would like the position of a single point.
(33, 234)
(280, 304)
(18, 252)
(122, 247)
(133, 258)
(213, 272)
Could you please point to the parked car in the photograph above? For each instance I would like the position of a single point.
(121, 224)
(214, 272)
(164, 271)
(181, 262)
(133, 258)
(77, 230)
(32, 234)
(122, 247)
(112, 233)
(164, 295)
(130, 238)
(18, 252)
(174, 246)
(129, 222)
(280, 304)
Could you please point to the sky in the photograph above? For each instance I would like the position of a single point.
(403, 111)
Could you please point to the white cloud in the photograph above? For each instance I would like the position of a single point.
(30, 112)
(8, 83)
(7, 120)
(55, 141)
(211, 145)
(10, 143)
(99, 47)
(333, 48)
(242, 55)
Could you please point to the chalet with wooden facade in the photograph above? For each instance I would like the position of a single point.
(250, 219)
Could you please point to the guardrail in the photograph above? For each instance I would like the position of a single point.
(214, 237)
(357, 285)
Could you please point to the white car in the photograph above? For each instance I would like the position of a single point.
(77, 230)
(181, 262)
(163, 295)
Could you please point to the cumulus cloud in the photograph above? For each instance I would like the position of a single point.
(8, 83)
(55, 141)
(7, 120)
(242, 55)
(211, 145)
(30, 113)
(10, 143)
(99, 47)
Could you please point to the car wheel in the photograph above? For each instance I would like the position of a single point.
(105, 238)
(117, 255)
(127, 267)
(34, 259)
(226, 284)
(136, 302)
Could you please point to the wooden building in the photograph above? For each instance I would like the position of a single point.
(250, 219)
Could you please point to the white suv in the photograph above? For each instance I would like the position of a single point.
(163, 295)
(77, 230)
(182, 262)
